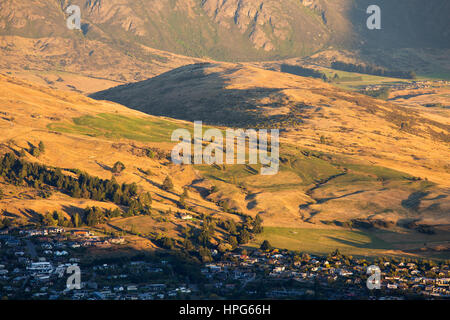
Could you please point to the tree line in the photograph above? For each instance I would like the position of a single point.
(19, 172)
(200, 241)
(304, 72)
(373, 70)
(91, 216)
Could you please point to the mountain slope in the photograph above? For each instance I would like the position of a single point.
(125, 41)
(234, 29)
(32, 113)
(80, 64)
(306, 109)
(318, 186)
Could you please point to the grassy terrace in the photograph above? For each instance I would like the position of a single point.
(113, 126)
(323, 241)
(297, 170)
(301, 172)
(354, 80)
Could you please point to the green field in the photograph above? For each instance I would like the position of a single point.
(355, 81)
(323, 241)
(301, 171)
(114, 126)
(435, 76)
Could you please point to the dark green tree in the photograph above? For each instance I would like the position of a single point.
(266, 246)
(118, 167)
(41, 147)
(233, 242)
(244, 236)
(257, 224)
(76, 220)
(167, 184)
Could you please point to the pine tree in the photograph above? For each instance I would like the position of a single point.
(187, 244)
(205, 254)
(116, 213)
(244, 237)
(146, 200)
(257, 225)
(49, 221)
(266, 246)
(35, 152)
(118, 167)
(41, 147)
(182, 202)
(167, 184)
(167, 243)
(233, 242)
(76, 220)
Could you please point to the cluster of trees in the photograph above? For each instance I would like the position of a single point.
(91, 216)
(244, 232)
(199, 242)
(368, 223)
(140, 206)
(196, 240)
(304, 72)
(56, 219)
(35, 151)
(382, 93)
(4, 223)
(368, 69)
(94, 215)
(19, 171)
(155, 153)
(422, 228)
(166, 243)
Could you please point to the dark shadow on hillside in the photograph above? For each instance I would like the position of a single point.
(323, 200)
(7, 214)
(196, 92)
(407, 96)
(370, 245)
(203, 191)
(155, 184)
(104, 166)
(414, 199)
(72, 210)
(31, 215)
(441, 196)
(115, 228)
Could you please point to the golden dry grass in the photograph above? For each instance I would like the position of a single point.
(357, 137)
